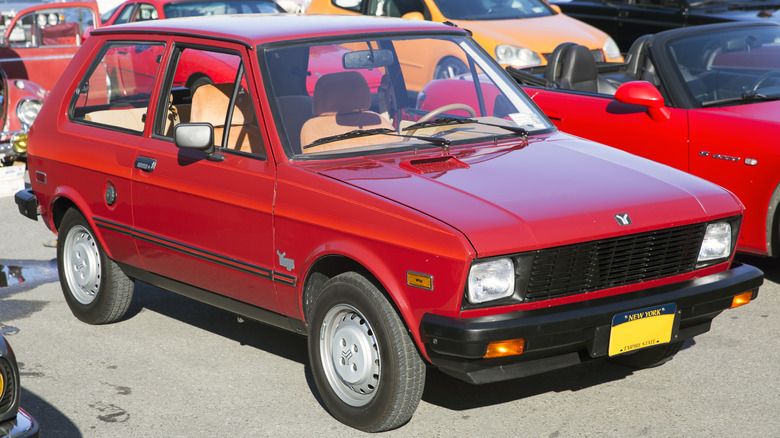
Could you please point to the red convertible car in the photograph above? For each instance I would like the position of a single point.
(491, 246)
(704, 99)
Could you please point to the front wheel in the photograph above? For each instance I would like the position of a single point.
(364, 363)
(95, 288)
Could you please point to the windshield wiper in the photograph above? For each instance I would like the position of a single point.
(443, 121)
(444, 143)
(747, 97)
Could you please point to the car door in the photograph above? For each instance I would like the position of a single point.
(627, 127)
(110, 125)
(41, 43)
(206, 219)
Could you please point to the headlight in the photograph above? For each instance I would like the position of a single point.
(516, 56)
(27, 110)
(491, 280)
(717, 242)
(611, 49)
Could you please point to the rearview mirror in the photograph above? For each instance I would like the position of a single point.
(198, 136)
(645, 94)
(364, 59)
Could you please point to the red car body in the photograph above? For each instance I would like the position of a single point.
(720, 136)
(378, 243)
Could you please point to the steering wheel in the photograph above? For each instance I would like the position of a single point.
(445, 108)
(766, 76)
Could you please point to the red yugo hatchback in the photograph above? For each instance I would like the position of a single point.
(474, 236)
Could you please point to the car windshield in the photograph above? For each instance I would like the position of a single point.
(730, 66)
(373, 96)
(219, 7)
(492, 9)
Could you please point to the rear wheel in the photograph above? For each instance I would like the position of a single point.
(364, 363)
(95, 288)
(649, 357)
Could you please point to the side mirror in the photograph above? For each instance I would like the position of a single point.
(645, 94)
(199, 136)
(556, 8)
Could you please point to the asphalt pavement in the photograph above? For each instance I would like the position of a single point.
(178, 368)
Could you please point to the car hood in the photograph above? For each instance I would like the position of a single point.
(541, 34)
(546, 192)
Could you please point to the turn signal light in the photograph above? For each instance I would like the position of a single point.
(505, 348)
(741, 299)
(20, 143)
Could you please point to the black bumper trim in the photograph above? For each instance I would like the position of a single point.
(27, 203)
(568, 334)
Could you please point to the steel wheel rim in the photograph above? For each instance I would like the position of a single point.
(349, 353)
(81, 262)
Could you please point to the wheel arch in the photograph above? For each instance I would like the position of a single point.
(330, 265)
(66, 199)
(773, 224)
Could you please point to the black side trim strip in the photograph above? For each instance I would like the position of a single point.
(265, 273)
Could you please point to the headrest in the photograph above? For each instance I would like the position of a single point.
(555, 63)
(341, 93)
(210, 103)
(579, 70)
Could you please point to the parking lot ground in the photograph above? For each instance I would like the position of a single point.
(178, 368)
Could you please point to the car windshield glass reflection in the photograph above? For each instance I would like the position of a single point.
(730, 66)
(358, 97)
(492, 9)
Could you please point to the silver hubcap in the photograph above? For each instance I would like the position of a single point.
(350, 355)
(81, 261)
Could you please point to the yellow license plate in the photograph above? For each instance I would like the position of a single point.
(642, 328)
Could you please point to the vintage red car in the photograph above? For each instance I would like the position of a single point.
(143, 10)
(40, 41)
(704, 99)
(20, 101)
(492, 247)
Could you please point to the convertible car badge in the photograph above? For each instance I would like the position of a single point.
(623, 219)
(287, 263)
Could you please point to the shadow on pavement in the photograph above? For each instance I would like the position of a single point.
(53, 423)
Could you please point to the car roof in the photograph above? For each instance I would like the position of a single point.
(267, 28)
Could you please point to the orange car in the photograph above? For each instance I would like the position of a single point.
(495, 25)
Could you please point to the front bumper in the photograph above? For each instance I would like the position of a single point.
(22, 427)
(566, 335)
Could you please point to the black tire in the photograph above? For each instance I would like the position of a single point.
(649, 357)
(449, 67)
(95, 288)
(375, 379)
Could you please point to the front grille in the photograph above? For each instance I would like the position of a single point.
(608, 263)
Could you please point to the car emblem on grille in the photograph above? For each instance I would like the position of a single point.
(623, 219)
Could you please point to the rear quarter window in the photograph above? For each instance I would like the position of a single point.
(116, 90)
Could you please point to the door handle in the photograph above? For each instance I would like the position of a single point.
(145, 163)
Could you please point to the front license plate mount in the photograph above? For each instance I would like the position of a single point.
(642, 328)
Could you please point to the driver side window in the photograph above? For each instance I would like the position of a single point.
(221, 100)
